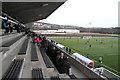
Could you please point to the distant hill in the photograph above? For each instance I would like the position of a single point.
(49, 26)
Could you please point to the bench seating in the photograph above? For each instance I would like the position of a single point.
(24, 47)
(55, 78)
(14, 70)
(34, 56)
(9, 43)
(46, 59)
(37, 74)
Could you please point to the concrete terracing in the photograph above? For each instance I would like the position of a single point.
(28, 65)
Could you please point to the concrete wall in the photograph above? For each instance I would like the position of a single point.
(0, 44)
(88, 72)
(1, 65)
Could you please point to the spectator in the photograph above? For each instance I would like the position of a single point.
(17, 28)
(69, 50)
(62, 56)
(22, 29)
(62, 67)
(40, 37)
(37, 41)
(44, 41)
(53, 55)
(29, 34)
(49, 50)
(11, 28)
(68, 66)
(34, 35)
(27, 30)
(5, 26)
(57, 58)
(66, 48)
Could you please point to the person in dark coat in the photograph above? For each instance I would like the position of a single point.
(57, 58)
(17, 28)
(66, 48)
(62, 63)
(40, 37)
(63, 68)
(11, 28)
(50, 52)
(68, 66)
(69, 50)
(53, 55)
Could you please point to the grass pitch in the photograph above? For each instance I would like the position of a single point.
(109, 54)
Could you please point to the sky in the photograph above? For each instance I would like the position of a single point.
(86, 13)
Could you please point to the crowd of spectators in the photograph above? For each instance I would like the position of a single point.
(57, 57)
(38, 39)
(9, 28)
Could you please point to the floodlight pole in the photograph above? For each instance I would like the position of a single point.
(89, 26)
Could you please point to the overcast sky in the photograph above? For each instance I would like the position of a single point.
(100, 13)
